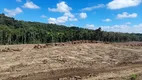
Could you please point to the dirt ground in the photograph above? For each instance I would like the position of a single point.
(87, 61)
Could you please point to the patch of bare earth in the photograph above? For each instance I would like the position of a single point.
(87, 61)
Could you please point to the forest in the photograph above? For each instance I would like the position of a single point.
(25, 32)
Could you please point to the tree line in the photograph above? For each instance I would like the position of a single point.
(21, 32)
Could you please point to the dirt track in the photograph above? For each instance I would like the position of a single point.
(88, 73)
(72, 62)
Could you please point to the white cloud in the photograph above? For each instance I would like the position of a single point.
(62, 19)
(43, 16)
(124, 28)
(83, 15)
(73, 19)
(71, 25)
(70, 16)
(107, 20)
(93, 7)
(31, 5)
(118, 4)
(52, 20)
(13, 12)
(61, 7)
(59, 20)
(127, 23)
(90, 26)
(126, 15)
(18, 0)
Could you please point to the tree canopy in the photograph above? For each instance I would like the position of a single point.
(23, 32)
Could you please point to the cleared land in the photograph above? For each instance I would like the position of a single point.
(87, 61)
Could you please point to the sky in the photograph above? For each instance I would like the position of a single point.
(111, 15)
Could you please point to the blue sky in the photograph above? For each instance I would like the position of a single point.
(110, 15)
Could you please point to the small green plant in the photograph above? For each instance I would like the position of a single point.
(133, 77)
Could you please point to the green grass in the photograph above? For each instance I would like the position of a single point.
(133, 77)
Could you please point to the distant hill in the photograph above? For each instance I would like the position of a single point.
(22, 32)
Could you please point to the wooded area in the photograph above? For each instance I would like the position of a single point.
(21, 32)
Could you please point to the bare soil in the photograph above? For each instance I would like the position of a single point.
(87, 61)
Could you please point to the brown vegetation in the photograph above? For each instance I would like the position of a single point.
(39, 46)
(10, 50)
